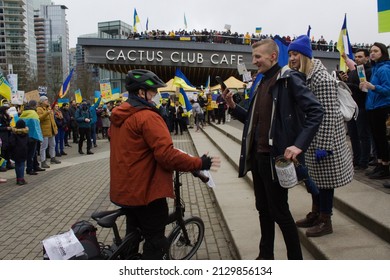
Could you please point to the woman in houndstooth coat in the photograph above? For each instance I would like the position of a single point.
(328, 158)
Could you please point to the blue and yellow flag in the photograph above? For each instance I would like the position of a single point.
(65, 86)
(183, 99)
(181, 80)
(31, 119)
(344, 45)
(383, 16)
(5, 88)
(78, 97)
(258, 30)
(136, 20)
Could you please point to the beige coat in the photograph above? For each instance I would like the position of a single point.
(48, 124)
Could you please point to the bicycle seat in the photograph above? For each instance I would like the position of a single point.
(107, 219)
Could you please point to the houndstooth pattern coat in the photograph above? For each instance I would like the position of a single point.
(334, 170)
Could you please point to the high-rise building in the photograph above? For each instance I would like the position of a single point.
(17, 42)
(52, 34)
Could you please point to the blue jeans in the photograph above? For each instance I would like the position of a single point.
(19, 169)
(60, 138)
(324, 201)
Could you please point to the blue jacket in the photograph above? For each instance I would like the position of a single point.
(380, 78)
(296, 116)
(81, 115)
(93, 110)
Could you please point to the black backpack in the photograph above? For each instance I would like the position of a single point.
(86, 234)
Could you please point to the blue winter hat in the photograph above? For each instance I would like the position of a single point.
(302, 45)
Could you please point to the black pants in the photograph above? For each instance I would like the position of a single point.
(151, 219)
(272, 204)
(377, 120)
(85, 133)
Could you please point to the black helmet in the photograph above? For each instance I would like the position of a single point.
(142, 79)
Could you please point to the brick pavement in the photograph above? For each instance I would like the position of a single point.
(53, 200)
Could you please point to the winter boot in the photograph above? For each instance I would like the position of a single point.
(323, 227)
(311, 219)
(44, 164)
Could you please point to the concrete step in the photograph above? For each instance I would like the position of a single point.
(361, 219)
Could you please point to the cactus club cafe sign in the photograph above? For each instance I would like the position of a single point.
(153, 56)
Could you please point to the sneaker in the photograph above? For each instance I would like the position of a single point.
(375, 170)
(32, 173)
(2, 180)
(21, 182)
(383, 173)
(63, 153)
(38, 169)
(58, 155)
(89, 152)
(54, 160)
(44, 164)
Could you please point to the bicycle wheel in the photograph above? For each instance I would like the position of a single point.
(180, 248)
(128, 249)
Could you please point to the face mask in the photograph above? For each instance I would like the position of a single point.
(156, 99)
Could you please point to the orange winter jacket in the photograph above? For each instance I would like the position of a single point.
(142, 156)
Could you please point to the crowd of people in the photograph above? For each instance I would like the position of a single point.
(229, 37)
(42, 131)
(294, 113)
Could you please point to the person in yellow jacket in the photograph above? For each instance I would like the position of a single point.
(49, 131)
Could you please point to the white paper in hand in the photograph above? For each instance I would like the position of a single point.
(62, 246)
(210, 182)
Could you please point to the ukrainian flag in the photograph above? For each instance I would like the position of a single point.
(181, 81)
(5, 88)
(31, 119)
(136, 20)
(341, 47)
(78, 97)
(383, 16)
(258, 30)
(65, 86)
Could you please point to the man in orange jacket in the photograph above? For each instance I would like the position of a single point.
(143, 159)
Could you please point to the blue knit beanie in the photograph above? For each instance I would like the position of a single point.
(302, 45)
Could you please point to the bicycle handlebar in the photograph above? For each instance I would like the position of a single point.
(201, 176)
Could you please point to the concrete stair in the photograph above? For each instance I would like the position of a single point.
(361, 218)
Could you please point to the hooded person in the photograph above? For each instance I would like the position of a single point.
(83, 118)
(31, 118)
(142, 161)
(328, 157)
(19, 149)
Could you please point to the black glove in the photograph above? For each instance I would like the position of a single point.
(206, 162)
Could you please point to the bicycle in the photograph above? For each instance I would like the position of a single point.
(184, 239)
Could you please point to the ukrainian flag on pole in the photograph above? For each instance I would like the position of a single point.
(78, 97)
(181, 81)
(383, 16)
(344, 45)
(5, 88)
(65, 86)
(136, 20)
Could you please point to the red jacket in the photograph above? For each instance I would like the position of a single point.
(143, 158)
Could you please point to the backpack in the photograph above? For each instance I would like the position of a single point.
(348, 107)
(86, 234)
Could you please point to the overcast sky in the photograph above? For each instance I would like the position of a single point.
(282, 17)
